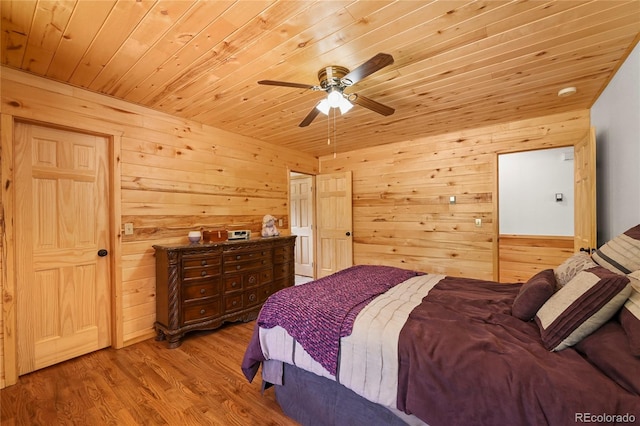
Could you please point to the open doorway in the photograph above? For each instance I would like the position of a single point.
(302, 208)
(536, 211)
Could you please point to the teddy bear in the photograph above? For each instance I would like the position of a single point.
(269, 226)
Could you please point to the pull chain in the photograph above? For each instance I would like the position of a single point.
(335, 140)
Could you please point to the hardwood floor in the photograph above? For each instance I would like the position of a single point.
(199, 383)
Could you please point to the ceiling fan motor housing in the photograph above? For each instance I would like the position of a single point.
(331, 76)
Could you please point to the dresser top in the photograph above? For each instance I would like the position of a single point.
(225, 243)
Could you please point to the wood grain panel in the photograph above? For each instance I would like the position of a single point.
(401, 194)
(522, 256)
(176, 175)
(457, 64)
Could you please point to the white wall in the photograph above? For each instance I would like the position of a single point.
(616, 117)
(528, 182)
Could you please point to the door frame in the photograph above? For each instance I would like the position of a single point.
(313, 214)
(9, 315)
(496, 201)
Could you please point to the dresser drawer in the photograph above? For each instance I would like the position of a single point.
(262, 255)
(246, 266)
(233, 303)
(201, 272)
(201, 290)
(282, 254)
(282, 270)
(264, 292)
(243, 300)
(235, 282)
(191, 261)
(196, 312)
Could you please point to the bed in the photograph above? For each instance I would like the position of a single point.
(383, 345)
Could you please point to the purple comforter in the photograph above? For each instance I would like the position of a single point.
(317, 314)
(464, 359)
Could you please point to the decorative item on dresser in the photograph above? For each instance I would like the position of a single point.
(202, 286)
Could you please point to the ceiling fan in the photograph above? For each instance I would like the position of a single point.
(334, 80)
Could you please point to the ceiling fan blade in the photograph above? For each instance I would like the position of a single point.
(379, 61)
(373, 105)
(286, 84)
(309, 118)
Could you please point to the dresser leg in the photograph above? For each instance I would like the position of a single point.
(173, 342)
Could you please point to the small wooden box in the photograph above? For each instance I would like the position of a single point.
(214, 235)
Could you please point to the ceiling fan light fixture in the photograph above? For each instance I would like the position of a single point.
(334, 98)
(345, 105)
(324, 106)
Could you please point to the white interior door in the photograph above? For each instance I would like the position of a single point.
(335, 223)
(301, 195)
(62, 221)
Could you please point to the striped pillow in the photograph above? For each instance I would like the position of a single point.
(579, 308)
(621, 254)
(630, 315)
(571, 267)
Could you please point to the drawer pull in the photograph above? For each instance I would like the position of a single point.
(234, 284)
(252, 297)
(203, 263)
(235, 302)
(238, 266)
(237, 257)
(202, 311)
(203, 273)
(252, 279)
(203, 291)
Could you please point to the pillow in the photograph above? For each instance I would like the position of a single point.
(608, 349)
(621, 254)
(571, 267)
(533, 294)
(630, 316)
(589, 300)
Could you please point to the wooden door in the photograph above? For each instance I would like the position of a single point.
(301, 194)
(334, 218)
(62, 221)
(585, 237)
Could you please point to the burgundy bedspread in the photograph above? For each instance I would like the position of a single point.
(317, 314)
(465, 360)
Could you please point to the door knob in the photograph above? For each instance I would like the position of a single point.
(348, 234)
(102, 252)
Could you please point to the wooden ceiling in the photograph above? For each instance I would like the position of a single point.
(458, 64)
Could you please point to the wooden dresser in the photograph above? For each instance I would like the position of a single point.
(202, 286)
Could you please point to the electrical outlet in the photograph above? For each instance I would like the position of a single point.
(128, 229)
(280, 222)
(478, 222)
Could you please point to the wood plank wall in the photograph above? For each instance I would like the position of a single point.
(175, 176)
(522, 256)
(178, 175)
(401, 194)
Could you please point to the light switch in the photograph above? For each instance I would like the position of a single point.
(452, 199)
(478, 222)
(128, 228)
